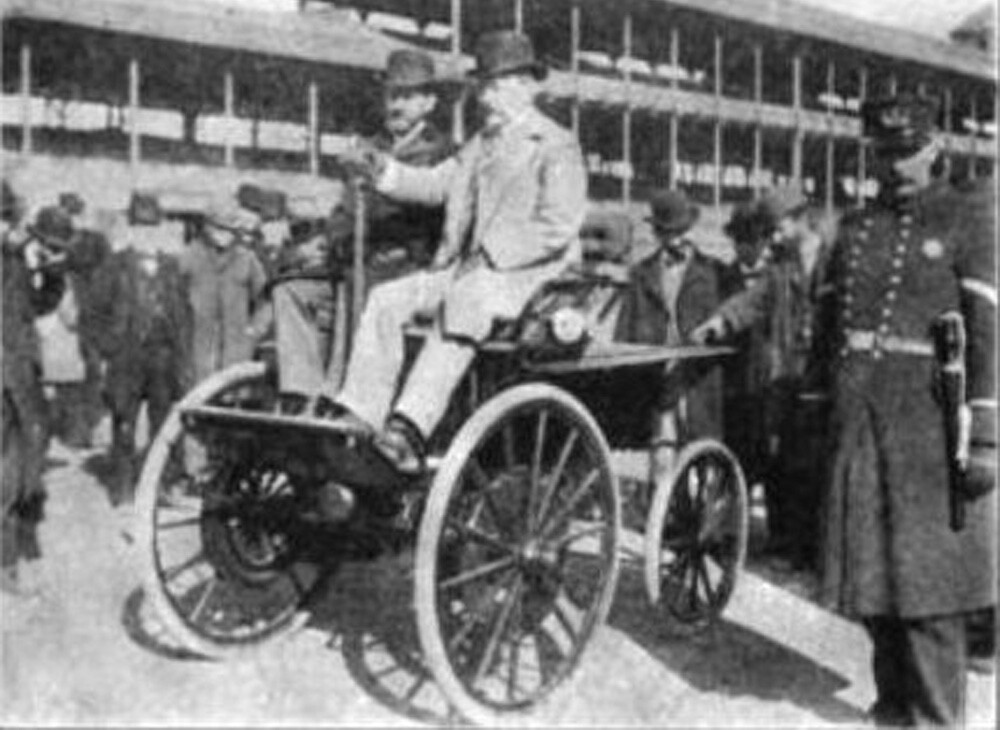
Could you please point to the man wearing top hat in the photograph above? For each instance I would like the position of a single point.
(892, 557)
(670, 292)
(400, 237)
(514, 202)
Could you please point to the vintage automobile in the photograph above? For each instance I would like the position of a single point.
(517, 523)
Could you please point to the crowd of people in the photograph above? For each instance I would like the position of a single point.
(830, 405)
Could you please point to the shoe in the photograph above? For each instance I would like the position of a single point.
(292, 404)
(336, 502)
(324, 407)
(401, 445)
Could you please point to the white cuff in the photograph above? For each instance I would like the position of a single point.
(389, 178)
(981, 288)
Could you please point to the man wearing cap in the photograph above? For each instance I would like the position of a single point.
(30, 288)
(225, 282)
(514, 204)
(141, 321)
(891, 557)
(669, 293)
(400, 237)
(781, 301)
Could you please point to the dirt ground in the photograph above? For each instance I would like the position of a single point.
(91, 652)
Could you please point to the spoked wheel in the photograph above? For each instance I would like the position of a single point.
(222, 558)
(696, 534)
(517, 554)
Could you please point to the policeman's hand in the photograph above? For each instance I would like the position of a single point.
(981, 467)
(362, 159)
(442, 259)
(711, 330)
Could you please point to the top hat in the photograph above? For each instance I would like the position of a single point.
(409, 69)
(672, 212)
(903, 120)
(506, 52)
(53, 227)
(783, 201)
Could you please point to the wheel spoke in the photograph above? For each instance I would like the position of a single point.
(476, 573)
(509, 455)
(556, 475)
(469, 622)
(536, 469)
(203, 599)
(174, 524)
(710, 595)
(171, 573)
(567, 509)
(481, 537)
(499, 626)
(572, 537)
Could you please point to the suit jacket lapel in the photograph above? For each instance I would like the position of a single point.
(649, 280)
(504, 168)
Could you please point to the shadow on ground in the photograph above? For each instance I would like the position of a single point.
(729, 659)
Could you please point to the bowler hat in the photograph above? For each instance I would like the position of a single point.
(783, 201)
(144, 210)
(902, 120)
(53, 227)
(409, 68)
(506, 52)
(231, 217)
(672, 212)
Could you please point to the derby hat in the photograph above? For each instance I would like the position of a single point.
(506, 52)
(53, 227)
(783, 201)
(672, 212)
(409, 69)
(72, 203)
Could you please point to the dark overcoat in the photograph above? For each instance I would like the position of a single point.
(645, 318)
(887, 546)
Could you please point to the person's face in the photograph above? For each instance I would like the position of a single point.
(406, 108)
(905, 171)
(747, 252)
(506, 97)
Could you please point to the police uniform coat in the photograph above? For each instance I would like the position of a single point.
(888, 549)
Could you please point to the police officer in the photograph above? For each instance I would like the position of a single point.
(890, 557)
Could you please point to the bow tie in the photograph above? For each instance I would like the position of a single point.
(674, 256)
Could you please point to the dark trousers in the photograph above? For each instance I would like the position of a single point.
(919, 667)
(25, 439)
(151, 375)
(76, 408)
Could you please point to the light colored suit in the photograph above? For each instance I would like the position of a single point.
(515, 202)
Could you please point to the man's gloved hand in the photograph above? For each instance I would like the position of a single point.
(712, 329)
(981, 469)
(363, 159)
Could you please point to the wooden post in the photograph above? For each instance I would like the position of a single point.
(519, 16)
(674, 122)
(831, 88)
(893, 84)
(458, 109)
(627, 113)
(797, 135)
(229, 102)
(672, 131)
(675, 55)
(973, 141)
(574, 62)
(358, 262)
(862, 160)
(717, 125)
(313, 128)
(758, 128)
(134, 151)
(27, 143)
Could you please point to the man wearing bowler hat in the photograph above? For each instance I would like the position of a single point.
(400, 238)
(670, 292)
(514, 204)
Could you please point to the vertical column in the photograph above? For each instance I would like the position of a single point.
(27, 143)
(313, 140)
(831, 89)
(973, 141)
(519, 16)
(797, 135)
(893, 84)
(458, 109)
(674, 122)
(229, 102)
(758, 128)
(717, 124)
(627, 113)
(574, 62)
(862, 159)
(134, 152)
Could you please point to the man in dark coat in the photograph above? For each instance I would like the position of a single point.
(27, 292)
(890, 557)
(669, 294)
(142, 320)
(780, 301)
(401, 237)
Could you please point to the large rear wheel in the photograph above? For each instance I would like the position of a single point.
(517, 554)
